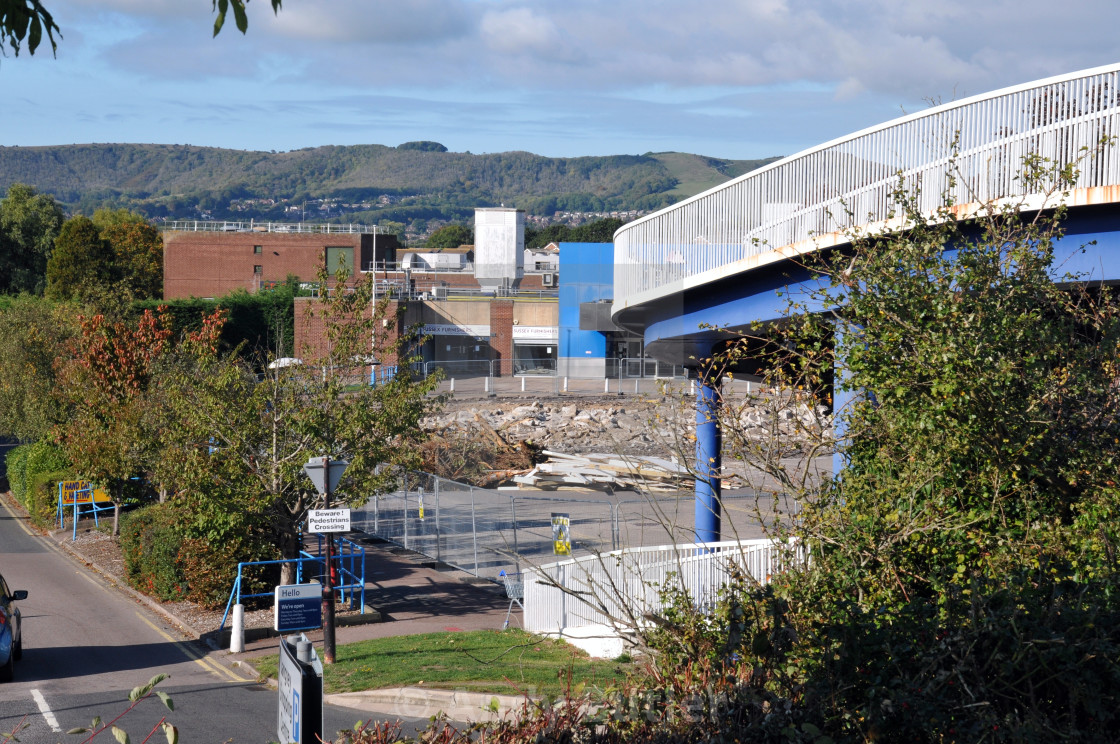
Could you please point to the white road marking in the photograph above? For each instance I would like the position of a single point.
(46, 711)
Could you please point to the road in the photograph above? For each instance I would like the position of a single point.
(86, 645)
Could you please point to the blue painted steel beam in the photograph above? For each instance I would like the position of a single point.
(709, 443)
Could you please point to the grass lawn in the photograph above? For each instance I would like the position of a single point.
(499, 662)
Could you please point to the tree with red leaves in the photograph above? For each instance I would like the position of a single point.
(111, 434)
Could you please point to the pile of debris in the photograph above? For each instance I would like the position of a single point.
(469, 450)
(606, 472)
(584, 425)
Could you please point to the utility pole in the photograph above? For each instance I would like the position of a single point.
(326, 474)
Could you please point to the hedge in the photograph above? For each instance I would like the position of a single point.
(261, 322)
(150, 547)
(33, 473)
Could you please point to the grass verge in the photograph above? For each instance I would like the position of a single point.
(509, 662)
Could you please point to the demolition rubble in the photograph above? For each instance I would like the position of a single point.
(639, 443)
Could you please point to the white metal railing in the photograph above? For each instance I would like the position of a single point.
(267, 227)
(849, 182)
(619, 588)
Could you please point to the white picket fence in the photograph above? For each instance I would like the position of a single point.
(617, 589)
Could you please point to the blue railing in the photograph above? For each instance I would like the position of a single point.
(350, 561)
(386, 373)
(350, 566)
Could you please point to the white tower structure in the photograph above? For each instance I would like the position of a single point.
(499, 246)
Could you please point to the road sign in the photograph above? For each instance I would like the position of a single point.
(315, 471)
(328, 520)
(80, 492)
(298, 607)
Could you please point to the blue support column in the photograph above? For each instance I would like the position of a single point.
(843, 397)
(842, 400)
(709, 442)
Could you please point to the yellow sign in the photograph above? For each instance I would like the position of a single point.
(561, 534)
(79, 492)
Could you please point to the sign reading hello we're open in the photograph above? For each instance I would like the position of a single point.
(297, 607)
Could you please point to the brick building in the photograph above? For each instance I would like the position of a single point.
(531, 321)
(212, 259)
(471, 329)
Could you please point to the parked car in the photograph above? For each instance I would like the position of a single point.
(11, 636)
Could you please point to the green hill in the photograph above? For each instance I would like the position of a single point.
(696, 173)
(361, 183)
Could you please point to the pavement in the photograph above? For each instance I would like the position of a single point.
(406, 594)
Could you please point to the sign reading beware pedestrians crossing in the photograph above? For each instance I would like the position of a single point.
(328, 520)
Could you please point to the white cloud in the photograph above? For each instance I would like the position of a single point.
(365, 23)
(518, 31)
(514, 59)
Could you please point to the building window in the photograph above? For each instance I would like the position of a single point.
(340, 257)
(258, 270)
(258, 250)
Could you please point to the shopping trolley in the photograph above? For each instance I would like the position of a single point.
(515, 590)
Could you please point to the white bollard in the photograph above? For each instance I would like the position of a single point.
(635, 386)
(522, 384)
(237, 632)
(692, 388)
(486, 384)
(606, 384)
(452, 385)
(565, 383)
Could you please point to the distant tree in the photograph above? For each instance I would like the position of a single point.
(81, 263)
(29, 224)
(137, 257)
(389, 227)
(34, 333)
(450, 236)
(103, 218)
(423, 146)
(550, 234)
(599, 231)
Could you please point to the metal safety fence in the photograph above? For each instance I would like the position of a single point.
(484, 531)
(626, 368)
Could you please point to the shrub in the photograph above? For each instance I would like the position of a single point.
(150, 547)
(42, 497)
(210, 570)
(29, 461)
(16, 465)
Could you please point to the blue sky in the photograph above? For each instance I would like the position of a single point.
(725, 78)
